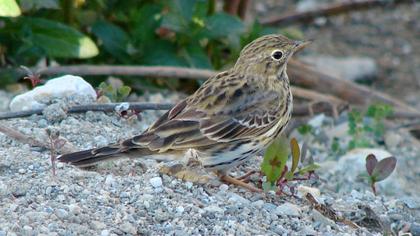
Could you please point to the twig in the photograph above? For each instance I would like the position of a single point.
(149, 71)
(300, 74)
(335, 9)
(329, 212)
(91, 107)
(12, 133)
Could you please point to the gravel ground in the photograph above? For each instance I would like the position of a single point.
(132, 198)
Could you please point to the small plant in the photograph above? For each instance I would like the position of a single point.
(378, 171)
(367, 127)
(274, 165)
(115, 94)
(34, 78)
(55, 142)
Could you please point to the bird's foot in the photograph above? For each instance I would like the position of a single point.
(194, 175)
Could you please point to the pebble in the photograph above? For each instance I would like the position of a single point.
(156, 182)
(61, 214)
(128, 228)
(321, 219)
(105, 232)
(288, 209)
(110, 181)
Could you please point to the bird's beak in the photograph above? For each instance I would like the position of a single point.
(299, 45)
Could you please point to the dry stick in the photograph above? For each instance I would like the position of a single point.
(298, 110)
(91, 107)
(332, 10)
(12, 133)
(307, 77)
(150, 71)
(300, 75)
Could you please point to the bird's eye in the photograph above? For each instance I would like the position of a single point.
(276, 55)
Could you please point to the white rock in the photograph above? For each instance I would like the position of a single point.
(58, 88)
(317, 121)
(392, 139)
(303, 190)
(288, 209)
(156, 182)
(110, 181)
(354, 160)
(180, 209)
(348, 68)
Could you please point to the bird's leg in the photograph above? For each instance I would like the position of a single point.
(246, 175)
(192, 171)
(228, 179)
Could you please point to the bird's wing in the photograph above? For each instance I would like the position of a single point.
(224, 109)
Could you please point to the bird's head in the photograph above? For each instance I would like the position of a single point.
(267, 55)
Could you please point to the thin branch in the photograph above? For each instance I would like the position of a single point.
(335, 9)
(13, 133)
(149, 71)
(300, 74)
(91, 107)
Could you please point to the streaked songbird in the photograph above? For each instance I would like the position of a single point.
(233, 116)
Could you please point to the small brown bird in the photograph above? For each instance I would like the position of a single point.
(229, 119)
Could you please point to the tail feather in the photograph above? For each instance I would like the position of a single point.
(91, 156)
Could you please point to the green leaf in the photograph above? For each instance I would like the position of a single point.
(9, 8)
(59, 40)
(162, 53)
(196, 57)
(114, 39)
(384, 168)
(310, 167)
(275, 158)
(223, 25)
(179, 16)
(295, 154)
(267, 186)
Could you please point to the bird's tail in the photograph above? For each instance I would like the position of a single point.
(93, 156)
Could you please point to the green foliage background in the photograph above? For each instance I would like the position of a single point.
(187, 33)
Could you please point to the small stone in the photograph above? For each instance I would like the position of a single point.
(415, 229)
(319, 218)
(110, 181)
(288, 209)
(214, 209)
(392, 139)
(97, 225)
(100, 140)
(61, 214)
(303, 190)
(235, 198)
(258, 204)
(22, 171)
(74, 209)
(223, 187)
(317, 121)
(188, 185)
(156, 182)
(180, 210)
(128, 228)
(105, 232)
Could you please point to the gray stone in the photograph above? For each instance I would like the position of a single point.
(156, 182)
(348, 68)
(288, 209)
(128, 228)
(61, 214)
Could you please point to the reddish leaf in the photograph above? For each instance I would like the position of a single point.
(371, 162)
(384, 168)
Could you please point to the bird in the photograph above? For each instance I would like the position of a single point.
(233, 116)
